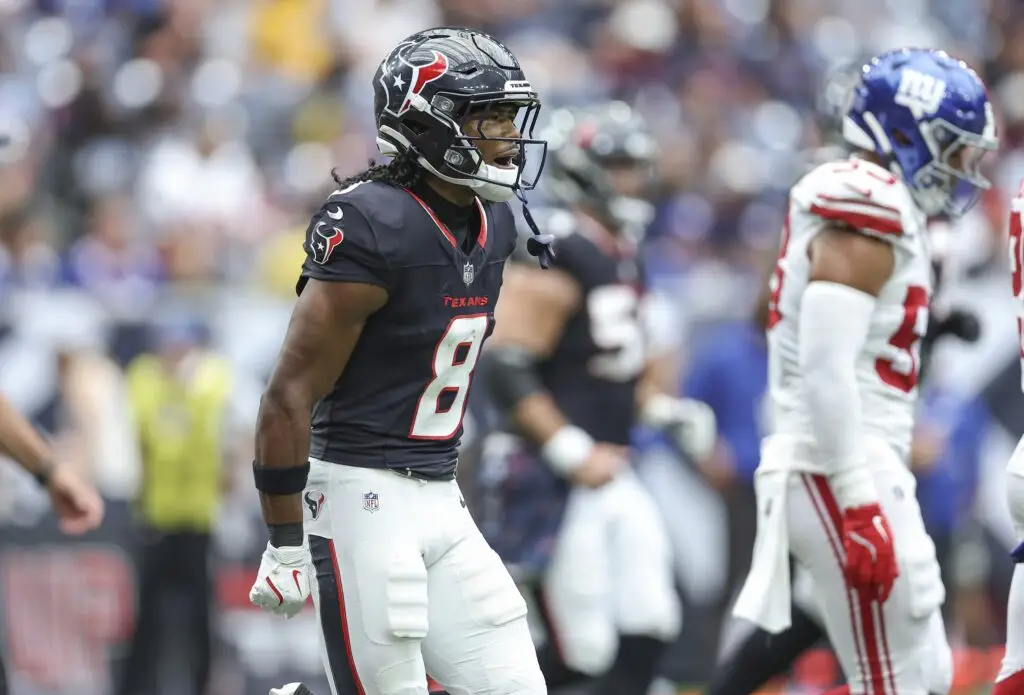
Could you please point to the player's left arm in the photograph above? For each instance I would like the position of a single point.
(848, 271)
(690, 423)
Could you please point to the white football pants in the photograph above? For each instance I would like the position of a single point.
(1013, 659)
(896, 648)
(406, 586)
(611, 574)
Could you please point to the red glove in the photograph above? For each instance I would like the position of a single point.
(870, 555)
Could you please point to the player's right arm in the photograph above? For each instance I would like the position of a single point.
(325, 326)
(344, 281)
(530, 316)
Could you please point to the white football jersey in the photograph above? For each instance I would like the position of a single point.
(871, 200)
(1017, 266)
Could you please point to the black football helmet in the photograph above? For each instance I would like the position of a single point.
(435, 81)
(587, 146)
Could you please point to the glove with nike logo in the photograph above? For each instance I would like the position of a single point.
(282, 584)
(870, 555)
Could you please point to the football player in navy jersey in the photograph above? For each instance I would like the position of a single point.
(568, 369)
(396, 297)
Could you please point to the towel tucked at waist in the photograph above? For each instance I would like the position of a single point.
(765, 597)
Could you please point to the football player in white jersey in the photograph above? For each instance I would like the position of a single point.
(1010, 680)
(849, 305)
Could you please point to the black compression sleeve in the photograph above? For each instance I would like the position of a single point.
(511, 375)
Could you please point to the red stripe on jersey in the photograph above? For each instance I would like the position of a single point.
(860, 219)
(892, 212)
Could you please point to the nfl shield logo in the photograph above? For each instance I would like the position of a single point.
(371, 501)
(468, 273)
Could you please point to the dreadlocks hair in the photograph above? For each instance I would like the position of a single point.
(402, 171)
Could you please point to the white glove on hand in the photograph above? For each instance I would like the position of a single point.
(282, 584)
(690, 423)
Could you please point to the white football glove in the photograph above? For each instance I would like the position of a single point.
(690, 423)
(282, 584)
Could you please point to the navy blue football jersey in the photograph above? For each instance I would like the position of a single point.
(400, 401)
(593, 372)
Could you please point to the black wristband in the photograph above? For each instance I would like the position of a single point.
(285, 535)
(44, 474)
(280, 481)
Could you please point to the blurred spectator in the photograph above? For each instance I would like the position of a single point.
(180, 400)
(111, 262)
(27, 261)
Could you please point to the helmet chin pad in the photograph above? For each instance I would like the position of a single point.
(498, 188)
(387, 148)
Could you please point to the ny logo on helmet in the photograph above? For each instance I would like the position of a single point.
(403, 80)
(920, 93)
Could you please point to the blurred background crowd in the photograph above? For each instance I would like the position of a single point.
(159, 160)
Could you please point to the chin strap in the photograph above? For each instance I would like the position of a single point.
(539, 245)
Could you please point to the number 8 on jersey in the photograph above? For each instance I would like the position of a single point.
(441, 407)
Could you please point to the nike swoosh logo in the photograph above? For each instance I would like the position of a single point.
(277, 593)
(864, 543)
(295, 576)
(880, 527)
(337, 214)
(863, 192)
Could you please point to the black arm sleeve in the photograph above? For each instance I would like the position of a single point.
(510, 375)
(341, 246)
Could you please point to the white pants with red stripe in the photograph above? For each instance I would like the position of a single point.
(897, 648)
(1013, 659)
(611, 574)
(406, 586)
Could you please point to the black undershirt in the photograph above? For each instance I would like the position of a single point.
(459, 219)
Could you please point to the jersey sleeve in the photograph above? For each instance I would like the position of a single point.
(860, 194)
(341, 246)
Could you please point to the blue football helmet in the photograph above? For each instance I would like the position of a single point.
(928, 116)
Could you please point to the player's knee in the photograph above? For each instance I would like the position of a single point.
(1015, 491)
(590, 652)
(938, 660)
(661, 619)
(941, 677)
(528, 681)
(649, 605)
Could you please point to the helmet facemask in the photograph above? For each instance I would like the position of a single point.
(953, 181)
(473, 125)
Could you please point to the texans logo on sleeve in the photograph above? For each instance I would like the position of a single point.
(323, 242)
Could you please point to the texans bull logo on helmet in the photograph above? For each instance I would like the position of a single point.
(323, 242)
(404, 79)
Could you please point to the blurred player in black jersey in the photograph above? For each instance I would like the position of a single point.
(566, 368)
(396, 298)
